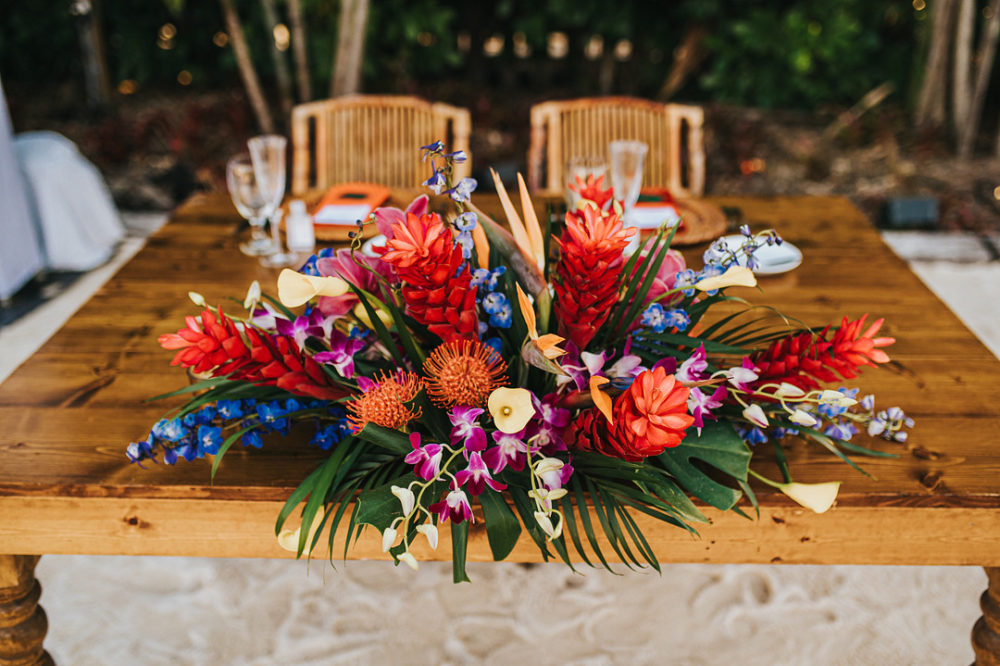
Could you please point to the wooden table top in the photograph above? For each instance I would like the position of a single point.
(70, 410)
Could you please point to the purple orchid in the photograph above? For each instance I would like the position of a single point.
(425, 459)
(386, 216)
(466, 428)
(581, 366)
(361, 271)
(510, 451)
(476, 476)
(455, 506)
(701, 405)
(553, 472)
(742, 376)
(312, 325)
(545, 438)
(341, 354)
(693, 369)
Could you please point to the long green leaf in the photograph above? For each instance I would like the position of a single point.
(568, 516)
(383, 333)
(225, 447)
(388, 439)
(317, 498)
(502, 527)
(459, 545)
(588, 527)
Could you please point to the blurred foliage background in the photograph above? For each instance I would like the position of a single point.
(762, 53)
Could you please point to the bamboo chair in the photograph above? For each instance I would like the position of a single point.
(371, 138)
(561, 130)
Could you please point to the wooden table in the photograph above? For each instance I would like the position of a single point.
(67, 414)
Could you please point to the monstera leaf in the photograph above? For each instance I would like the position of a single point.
(718, 446)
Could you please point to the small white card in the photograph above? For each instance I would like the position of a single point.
(342, 214)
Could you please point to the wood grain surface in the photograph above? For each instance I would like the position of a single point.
(70, 410)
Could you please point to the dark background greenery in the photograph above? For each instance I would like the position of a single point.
(768, 53)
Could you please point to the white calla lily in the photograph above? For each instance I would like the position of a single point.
(735, 276)
(295, 289)
(289, 539)
(816, 496)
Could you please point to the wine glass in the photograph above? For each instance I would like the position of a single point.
(582, 166)
(267, 153)
(627, 159)
(250, 202)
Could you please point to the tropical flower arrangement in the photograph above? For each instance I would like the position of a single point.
(468, 373)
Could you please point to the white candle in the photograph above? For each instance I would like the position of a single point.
(299, 228)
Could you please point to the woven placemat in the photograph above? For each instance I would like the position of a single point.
(700, 222)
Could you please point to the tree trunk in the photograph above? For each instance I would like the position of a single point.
(95, 67)
(930, 105)
(687, 57)
(961, 91)
(299, 51)
(280, 64)
(349, 56)
(247, 72)
(984, 67)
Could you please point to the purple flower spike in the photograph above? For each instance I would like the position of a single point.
(425, 459)
(466, 428)
(455, 506)
(477, 477)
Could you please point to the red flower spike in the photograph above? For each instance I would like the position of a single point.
(589, 272)
(592, 189)
(277, 361)
(436, 286)
(214, 344)
(805, 359)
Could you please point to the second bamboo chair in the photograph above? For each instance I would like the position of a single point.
(561, 130)
(372, 138)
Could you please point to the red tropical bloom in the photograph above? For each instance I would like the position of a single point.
(214, 343)
(589, 272)
(592, 189)
(649, 417)
(278, 361)
(806, 359)
(216, 346)
(436, 286)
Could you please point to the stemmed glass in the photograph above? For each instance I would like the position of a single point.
(627, 160)
(250, 202)
(268, 156)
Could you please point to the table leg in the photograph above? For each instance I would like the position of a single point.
(986, 633)
(22, 620)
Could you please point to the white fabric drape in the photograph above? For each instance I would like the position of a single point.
(20, 251)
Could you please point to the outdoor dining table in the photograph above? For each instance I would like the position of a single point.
(68, 413)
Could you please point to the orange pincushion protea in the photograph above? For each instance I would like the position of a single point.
(436, 287)
(463, 373)
(384, 402)
(589, 272)
(649, 417)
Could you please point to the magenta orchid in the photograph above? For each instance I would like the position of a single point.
(466, 428)
(701, 405)
(341, 355)
(455, 506)
(476, 476)
(693, 369)
(425, 459)
(510, 451)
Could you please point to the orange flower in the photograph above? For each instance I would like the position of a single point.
(384, 402)
(648, 418)
(463, 373)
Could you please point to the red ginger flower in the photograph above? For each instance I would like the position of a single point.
(215, 343)
(649, 417)
(436, 287)
(592, 189)
(278, 361)
(216, 346)
(589, 272)
(804, 358)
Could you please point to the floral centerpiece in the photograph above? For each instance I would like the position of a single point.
(470, 373)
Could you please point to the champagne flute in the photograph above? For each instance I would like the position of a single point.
(250, 202)
(267, 153)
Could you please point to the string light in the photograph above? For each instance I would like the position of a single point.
(282, 36)
(184, 77)
(493, 46)
(425, 38)
(127, 87)
(623, 50)
(594, 48)
(558, 46)
(220, 39)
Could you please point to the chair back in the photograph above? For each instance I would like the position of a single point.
(372, 138)
(561, 130)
